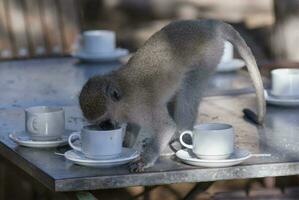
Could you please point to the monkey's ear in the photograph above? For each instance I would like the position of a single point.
(113, 92)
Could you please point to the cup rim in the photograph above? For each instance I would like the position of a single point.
(92, 130)
(212, 127)
(98, 32)
(35, 109)
(283, 71)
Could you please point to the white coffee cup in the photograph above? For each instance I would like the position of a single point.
(212, 141)
(45, 123)
(99, 144)
(98, 41)
(285, 82)
(228, 52)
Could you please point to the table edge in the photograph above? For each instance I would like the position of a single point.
(27, 166)
(179, 176)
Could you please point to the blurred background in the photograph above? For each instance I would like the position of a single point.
(48, 28)
(35, 28)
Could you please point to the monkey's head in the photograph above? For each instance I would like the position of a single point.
(100, 99)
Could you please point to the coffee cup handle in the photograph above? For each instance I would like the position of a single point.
(75, 134)
(32, 123)
(189, 146)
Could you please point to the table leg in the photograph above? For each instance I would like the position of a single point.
(147, 192)
(144, 194)
(2, 179)
(269, 182)
(198, 188)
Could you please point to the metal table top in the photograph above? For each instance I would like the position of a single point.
(58, 81)
(278, 136)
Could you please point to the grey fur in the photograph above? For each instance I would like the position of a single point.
(172, 68)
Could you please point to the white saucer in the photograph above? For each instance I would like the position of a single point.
(22, 138)
(237, 157)
(125, 157)
(231, 65)
(275, 100)
(101, 57)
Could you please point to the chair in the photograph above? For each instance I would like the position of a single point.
(35, 28)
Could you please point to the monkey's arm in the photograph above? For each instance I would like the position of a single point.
(163, 128)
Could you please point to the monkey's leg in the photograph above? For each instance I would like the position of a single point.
(131, 135)
(189, 97)
(143, 139)
(186, 105)
(164, 128)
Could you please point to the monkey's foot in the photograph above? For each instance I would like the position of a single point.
(137, 166)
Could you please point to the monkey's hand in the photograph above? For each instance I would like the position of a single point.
(137, 165)
(141, 164)
(147, 159)
(164, 128)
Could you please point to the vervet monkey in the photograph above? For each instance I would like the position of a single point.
(171, 68)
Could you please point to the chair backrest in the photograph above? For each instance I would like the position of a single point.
(35, 28)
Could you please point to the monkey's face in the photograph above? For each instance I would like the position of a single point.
(100, 99)
(92, 100)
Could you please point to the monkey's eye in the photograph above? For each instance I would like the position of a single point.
(113, 93)
(115, 96)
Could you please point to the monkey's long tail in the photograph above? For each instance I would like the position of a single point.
(230, 34)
